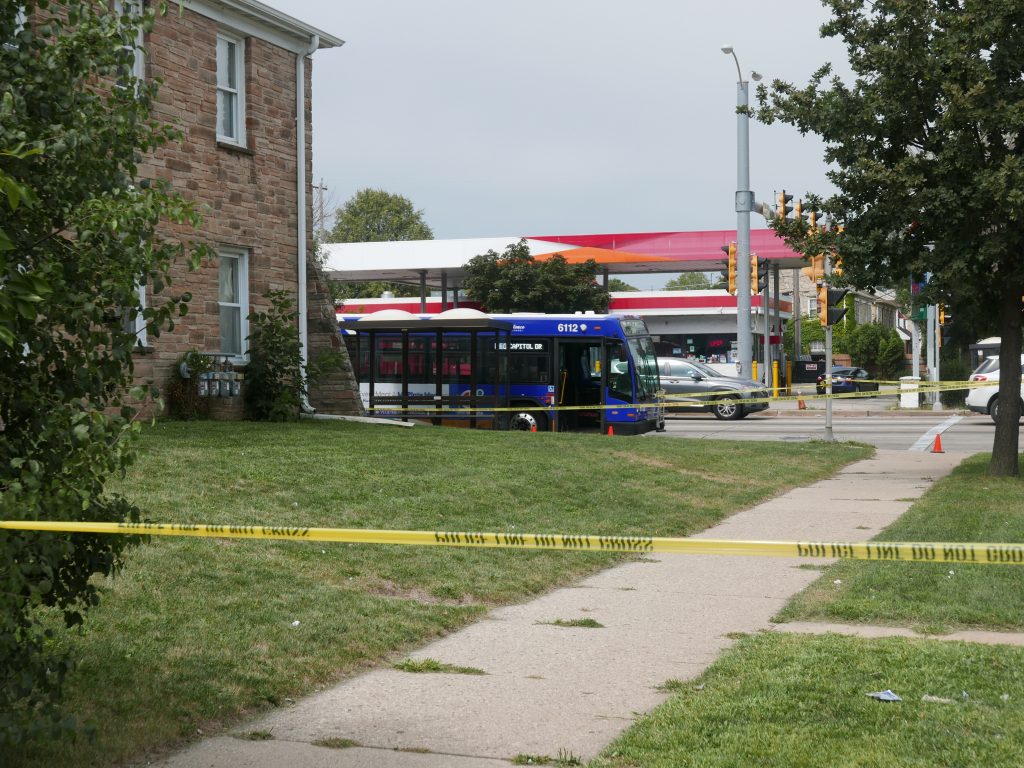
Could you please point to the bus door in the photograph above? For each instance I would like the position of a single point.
(579, 383)
(617, 382)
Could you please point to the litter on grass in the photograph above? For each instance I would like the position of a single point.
(885, 695)
(935, 699)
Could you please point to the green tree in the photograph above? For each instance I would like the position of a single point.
(79, 235)
(372, 216)
(926, 148)
(891, 360)
(615, 284)
(689, 281)
(863, 342)
(516, 282)
(274, 383)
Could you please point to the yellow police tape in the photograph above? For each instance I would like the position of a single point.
(670, 401)
(917, 552)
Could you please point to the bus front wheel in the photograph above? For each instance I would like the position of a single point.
(528, 421)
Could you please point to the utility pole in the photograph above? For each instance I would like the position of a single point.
(744, 205)
(319, 213)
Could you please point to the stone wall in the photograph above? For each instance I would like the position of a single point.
(247, 195)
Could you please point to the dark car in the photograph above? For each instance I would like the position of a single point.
(692, 386)
(848, 379)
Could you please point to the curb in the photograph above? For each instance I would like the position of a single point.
(859, 413)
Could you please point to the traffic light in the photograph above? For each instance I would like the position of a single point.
(837, 265)
(828, 298)
(942, 314)
(812, 220)
(758, 274)
(798, 210)
(816, 271)
(784, 207)
(731, 250)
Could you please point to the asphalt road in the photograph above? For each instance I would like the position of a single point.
(970, 434)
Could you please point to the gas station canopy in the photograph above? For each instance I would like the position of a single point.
(441, 262)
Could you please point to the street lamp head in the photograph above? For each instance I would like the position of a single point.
(726, 49)
(755, 76)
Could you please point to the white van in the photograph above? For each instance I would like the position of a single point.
(985, 399)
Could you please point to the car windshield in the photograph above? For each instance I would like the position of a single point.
(704, 369)
(843, 371)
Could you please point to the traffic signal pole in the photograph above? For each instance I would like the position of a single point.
(829, 437)
(765, 300)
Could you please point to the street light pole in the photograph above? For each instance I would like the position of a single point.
(744, 205)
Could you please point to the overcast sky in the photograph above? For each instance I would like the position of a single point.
(558, 116)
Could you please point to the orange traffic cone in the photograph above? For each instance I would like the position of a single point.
(937, 447)
(533, 427)
(611, 430)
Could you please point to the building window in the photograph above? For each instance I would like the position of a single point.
(133, 10)
(233, 300)
(138, 325)
(230, 90)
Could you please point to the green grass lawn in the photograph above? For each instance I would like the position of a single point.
(789, 701)
(796, 700)
(967, 505)
(196, 633)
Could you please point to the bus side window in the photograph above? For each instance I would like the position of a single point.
(620, 382)
(530, 369)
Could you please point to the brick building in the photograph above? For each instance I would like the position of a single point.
(231, 72)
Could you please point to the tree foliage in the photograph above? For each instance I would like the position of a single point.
(927, 153)
(372, 216)
(514, 281)
(80, 233)
(689, 281)
(615, 284)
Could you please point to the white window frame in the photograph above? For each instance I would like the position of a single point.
(141, 334)
(138, 70)
(237, 91)
(242, 305)
(20, 20)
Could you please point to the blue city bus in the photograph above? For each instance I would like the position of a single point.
(520, 371)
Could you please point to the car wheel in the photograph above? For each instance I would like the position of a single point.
(727, 411)
(528, 421)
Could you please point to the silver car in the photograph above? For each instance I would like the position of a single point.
(690, 385)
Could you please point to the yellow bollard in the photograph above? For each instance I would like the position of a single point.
(775, 378)
(789, 377)
(753, 371)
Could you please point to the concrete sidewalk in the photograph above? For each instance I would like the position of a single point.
(553, 690)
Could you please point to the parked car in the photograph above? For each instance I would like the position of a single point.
(691, 385)
(847, 379)
(986, 399)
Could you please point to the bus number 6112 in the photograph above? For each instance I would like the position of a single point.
(568, 327)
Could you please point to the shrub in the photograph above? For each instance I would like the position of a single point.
(274, 385)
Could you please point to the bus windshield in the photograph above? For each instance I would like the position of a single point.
(647, 381)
